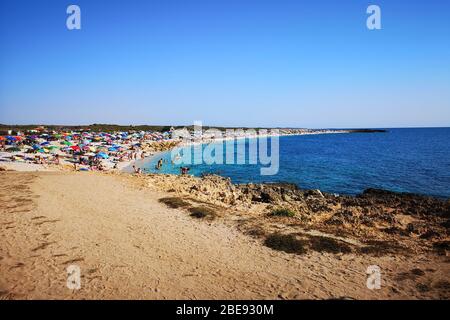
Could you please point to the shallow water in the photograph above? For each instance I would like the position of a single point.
(407, 160)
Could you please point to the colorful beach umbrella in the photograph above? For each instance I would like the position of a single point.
(102, 155)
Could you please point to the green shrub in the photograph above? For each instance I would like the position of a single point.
(282, 212)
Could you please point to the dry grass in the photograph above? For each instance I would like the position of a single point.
(287, 243)
(291, 243)
(203, 212)
(380, 248)
(174, 202)
(330, 245)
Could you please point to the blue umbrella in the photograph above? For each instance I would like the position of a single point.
(102, 155)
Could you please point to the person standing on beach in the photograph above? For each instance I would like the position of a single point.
(137, 170)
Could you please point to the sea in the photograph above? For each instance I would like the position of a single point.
(413, 160)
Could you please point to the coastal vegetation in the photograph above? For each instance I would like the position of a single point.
(174, 202)
(200, 212)
(282, 212)
(285, 242)
(302, 243)
(203, 212)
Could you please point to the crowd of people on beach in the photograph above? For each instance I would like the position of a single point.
(81, 150)
(86, 150)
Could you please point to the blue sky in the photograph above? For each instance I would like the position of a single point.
(232, 63)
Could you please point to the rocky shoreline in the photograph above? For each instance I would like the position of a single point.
(375, 222)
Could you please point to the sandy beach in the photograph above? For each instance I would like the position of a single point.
(131, 246)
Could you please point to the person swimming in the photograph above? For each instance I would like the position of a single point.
(159, 164)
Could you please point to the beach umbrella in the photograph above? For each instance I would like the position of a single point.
(102, 155)
(2, 138)
(46, 143)
(75, 148)
(67, 143)
(13, 149)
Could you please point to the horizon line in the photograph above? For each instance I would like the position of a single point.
(212, 126)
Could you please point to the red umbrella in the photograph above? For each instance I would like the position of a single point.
(75, 148)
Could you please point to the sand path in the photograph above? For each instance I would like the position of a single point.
(128, 245)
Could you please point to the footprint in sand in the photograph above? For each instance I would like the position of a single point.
(17, 265)
(46, 221)
(43, 246)
(73, 261)
(38, 217)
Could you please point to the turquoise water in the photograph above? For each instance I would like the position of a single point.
(406, 160)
